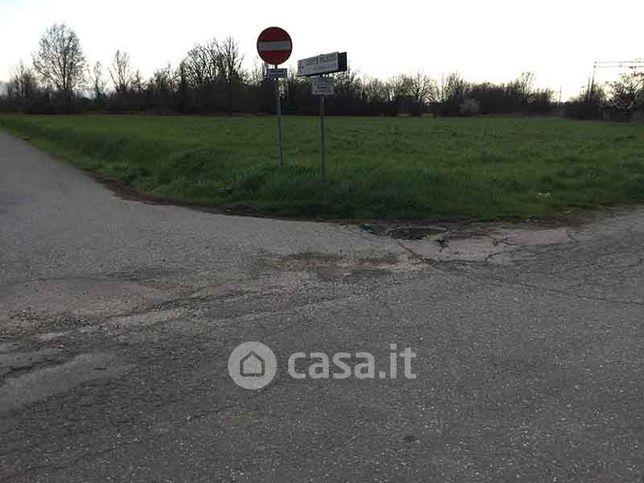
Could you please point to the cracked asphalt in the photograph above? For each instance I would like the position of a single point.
(117, 318)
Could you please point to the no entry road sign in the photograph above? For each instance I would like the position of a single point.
(274, 46)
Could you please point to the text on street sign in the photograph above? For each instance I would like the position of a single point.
(323, 86)
(276, 73)
(322, 64)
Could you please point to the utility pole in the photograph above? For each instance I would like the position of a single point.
(611, 64)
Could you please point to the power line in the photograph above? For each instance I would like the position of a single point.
(611, 64)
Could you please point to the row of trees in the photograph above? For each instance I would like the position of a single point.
(620, 100)
(211, 79)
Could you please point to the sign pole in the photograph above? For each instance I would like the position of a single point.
(274, 46)
(323, 133)
(278, 98)
(316, 68)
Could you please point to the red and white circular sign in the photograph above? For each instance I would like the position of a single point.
(274, 45)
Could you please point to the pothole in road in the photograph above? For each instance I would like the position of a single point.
(495, 245)
(474, 242)
(413, 232)
(329, 267)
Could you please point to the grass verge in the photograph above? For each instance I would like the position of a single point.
(380, 168)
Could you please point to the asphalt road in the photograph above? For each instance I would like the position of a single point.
(117, 319)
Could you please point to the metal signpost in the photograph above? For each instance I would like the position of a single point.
(317, 67)
(323, 86)
(275, 46)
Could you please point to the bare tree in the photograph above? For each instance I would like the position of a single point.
(161, 87)
(453, 89)
(98, 81)
(423, 90)
(121, 72)
(401, 87)
(597, 95)
(201, 65)
(627, 93)
(213, 67)
(377, 91)
(522, 87)
(60, 60)
(23, 82)
(229, 67)
(138, 84)
(258, 74)
(182, 87)
(348, 84)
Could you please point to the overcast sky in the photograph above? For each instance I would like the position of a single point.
(482, 39)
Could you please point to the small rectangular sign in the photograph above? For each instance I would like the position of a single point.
(322, 64)
(276, 73)
(323, 86)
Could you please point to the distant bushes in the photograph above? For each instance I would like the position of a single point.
(188, 90)
(458, 97)
(622, 100)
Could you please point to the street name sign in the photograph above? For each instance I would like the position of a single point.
(322, 64)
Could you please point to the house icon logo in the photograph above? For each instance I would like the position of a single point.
(252, 365)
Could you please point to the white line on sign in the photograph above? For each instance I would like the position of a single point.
(267, 46)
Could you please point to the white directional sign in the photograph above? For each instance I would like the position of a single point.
(316, 67)
(276, 73)
(323, 86)
(322, 64)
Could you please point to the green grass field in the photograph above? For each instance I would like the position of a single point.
(420, 168)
